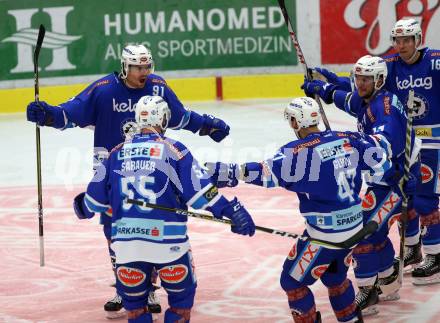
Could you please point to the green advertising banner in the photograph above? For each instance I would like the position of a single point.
(86, 37)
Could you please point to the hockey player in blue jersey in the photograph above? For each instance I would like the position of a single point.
(153, 168)
(324, 169)
(419, 69)
(413, 67)
(108, 105)
(382, 118)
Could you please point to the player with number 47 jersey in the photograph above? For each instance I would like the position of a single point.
(324, 169)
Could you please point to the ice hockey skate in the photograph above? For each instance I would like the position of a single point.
(388, 287)
(113, 308)
(428, 272)
(412, 258)
(366, 299)
(154, 301)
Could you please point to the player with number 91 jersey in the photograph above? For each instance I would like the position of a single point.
(109, 105)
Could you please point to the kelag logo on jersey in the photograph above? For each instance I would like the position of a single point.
(335, 149)
(425, 83)
(124, 106)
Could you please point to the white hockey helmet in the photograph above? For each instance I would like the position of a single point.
(372, 66)
(407, 27)
(135, 55)
(152, 111)
(305, 110)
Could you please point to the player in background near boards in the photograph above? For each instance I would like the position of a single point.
(418, 68)
(324, 169)
(153, 168)
(108, 105)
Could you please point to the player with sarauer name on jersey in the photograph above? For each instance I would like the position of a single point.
(108, 105)
(382, 118)
(418, 68)
(324, 169)
(153, 168)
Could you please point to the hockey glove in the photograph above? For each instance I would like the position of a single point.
(323, 89)
(407, 188)
(224, 175)
(44, 114)
(216, 128)
(242, 222)
(80, 208)
(330, 77)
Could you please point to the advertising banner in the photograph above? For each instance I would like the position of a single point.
(86, 37)
(353, 28)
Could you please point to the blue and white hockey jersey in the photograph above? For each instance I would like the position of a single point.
(324, 169)
(109, 106)
(383, 119)
(424, 77)
(158, 170)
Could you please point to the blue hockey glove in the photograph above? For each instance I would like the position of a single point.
(242, 222)
(408, 188)
(36, 112)
(323, 89)
(330, 76)
(81, 210)
(45, 115)
(224, 175)
(216, 128)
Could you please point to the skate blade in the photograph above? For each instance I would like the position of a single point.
(391, 297)
(112, 315)
(409, 268)
(370, 310)
(419, 281)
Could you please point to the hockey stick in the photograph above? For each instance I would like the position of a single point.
(301, 58)
(369, 228)
(40, 38)
(406, 170)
